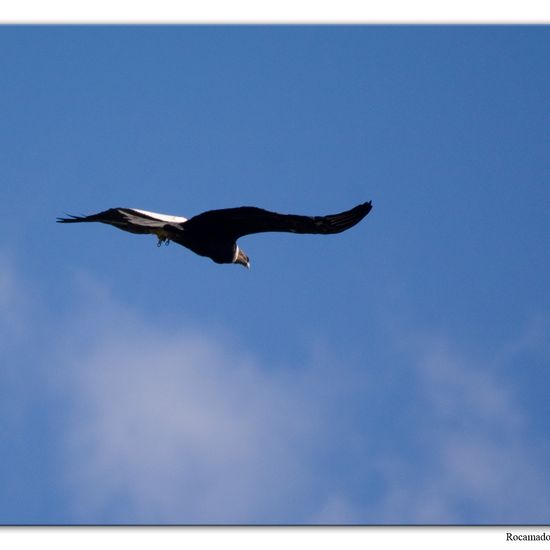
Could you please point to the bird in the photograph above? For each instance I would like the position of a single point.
(214, 233)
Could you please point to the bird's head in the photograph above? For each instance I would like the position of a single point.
(242, 258)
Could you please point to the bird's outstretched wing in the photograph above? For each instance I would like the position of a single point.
(245, 220)
(129, 219)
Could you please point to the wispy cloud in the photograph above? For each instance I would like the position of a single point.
(13, 301)
(14, 332)
(186, 426)
(473, 463)
(159, 423)
(180, 425)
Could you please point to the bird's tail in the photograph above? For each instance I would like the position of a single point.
(72, 219)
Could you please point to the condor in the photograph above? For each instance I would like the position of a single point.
(214, 233)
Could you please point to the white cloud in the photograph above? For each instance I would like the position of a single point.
(181, 424)
(474, 463)
(13, 301)
(14, 307)
(186, 426)
(336, 510)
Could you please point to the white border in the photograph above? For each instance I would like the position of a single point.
(176, 538)
(271, 11)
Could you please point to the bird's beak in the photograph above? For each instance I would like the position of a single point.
(243, 259)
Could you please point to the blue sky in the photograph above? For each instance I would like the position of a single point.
(395, 373)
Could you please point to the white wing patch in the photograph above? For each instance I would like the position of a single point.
(162, 217)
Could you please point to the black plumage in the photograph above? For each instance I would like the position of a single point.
(214, 233)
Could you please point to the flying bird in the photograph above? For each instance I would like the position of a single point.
(214, 233)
